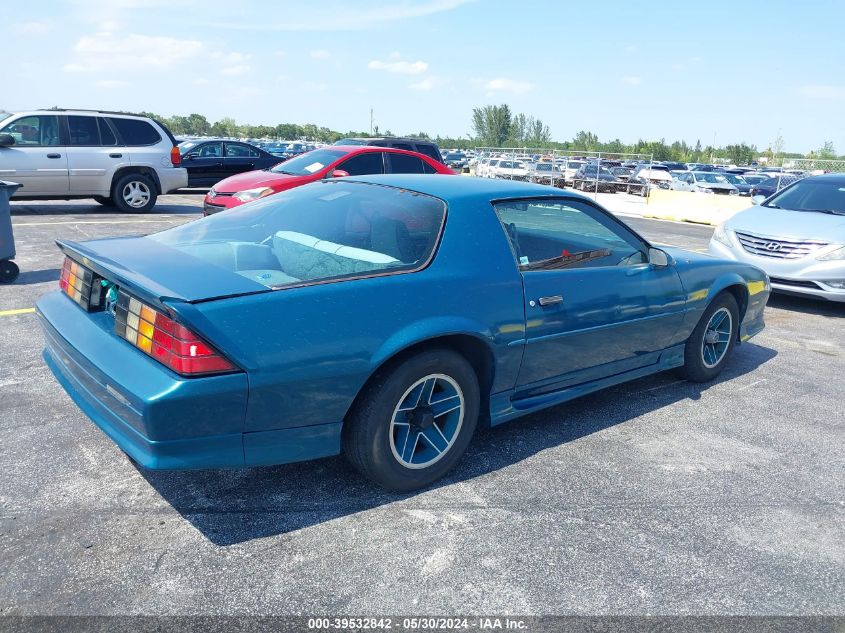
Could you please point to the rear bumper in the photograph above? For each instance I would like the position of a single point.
(172, 179)
(161, 420)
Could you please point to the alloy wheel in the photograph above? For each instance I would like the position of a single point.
(427, 421)
(717, 337)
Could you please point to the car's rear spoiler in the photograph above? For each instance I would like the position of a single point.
(158, 273)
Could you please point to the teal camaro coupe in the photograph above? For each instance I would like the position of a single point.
(382, 317)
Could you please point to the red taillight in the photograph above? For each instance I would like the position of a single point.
(175, 156)
(169, 342)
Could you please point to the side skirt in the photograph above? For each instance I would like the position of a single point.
(504, 407)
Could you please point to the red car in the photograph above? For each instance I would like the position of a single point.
(327, 162)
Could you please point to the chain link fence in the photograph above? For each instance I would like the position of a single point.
(812, 166)
(588, 172)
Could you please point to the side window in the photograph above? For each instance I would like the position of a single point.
(562, 234)
(405, 146)
(34, 130)
(404, 164)
(430, 151)
(83, 130)
(210, 150)
(136, 131)
(107, 136)
(363, 164)
(234, 150)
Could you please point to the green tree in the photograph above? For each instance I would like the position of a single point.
(537, 133)
(826, 151)
(198, 125)
(227, 126)
(585, 141)
(492, 124)
(740, 154)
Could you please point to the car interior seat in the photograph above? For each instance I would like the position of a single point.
(391, 237)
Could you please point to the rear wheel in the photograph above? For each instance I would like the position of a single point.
(134, 193)
(712, 341)
(414, 421)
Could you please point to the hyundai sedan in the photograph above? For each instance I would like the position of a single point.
(381, 317)
(797, 236)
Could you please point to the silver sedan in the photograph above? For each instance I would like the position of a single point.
(797, 236)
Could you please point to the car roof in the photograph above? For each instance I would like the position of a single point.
(82, 111)
(450, 188)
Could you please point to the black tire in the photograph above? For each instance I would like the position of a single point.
(696, 367)
(9, 271)
(368, 436)
(106, 201)
(146, 187)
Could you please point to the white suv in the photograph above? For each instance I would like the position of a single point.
(116, 158)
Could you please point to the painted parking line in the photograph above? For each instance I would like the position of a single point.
(18, 311)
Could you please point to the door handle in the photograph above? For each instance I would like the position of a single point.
(550, 301)
(54, 155)
(115, 155)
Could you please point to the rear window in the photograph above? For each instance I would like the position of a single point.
(430, 151)
(136, 131)
(330, 230)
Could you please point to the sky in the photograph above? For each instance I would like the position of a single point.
(737, 71)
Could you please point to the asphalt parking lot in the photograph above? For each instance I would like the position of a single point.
(655, 497)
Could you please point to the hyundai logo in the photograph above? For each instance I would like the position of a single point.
(772, 246)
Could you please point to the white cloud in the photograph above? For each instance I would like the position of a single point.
(352, 17)
(106, 52)
(502, 84)
(823, 91)
(397, 65)
(320, 54)
(111, 83)
(632, 80)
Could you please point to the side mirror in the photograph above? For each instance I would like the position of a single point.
(758, 199)
(339, 173)
(659, 258)
(6, 140)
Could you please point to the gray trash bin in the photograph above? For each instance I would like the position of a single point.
(8, 269)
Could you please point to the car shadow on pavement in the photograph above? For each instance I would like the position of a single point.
(233, 506)
(37, 276)
(807, 305)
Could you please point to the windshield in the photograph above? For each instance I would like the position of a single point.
(309, 162)
(812, 195)
(710, 177)
(754, 179)
(328, 230)
(735, 180)
(5, 115)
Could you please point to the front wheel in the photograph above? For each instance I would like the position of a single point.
(134, 193)
(712, 341)
(414, 421)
